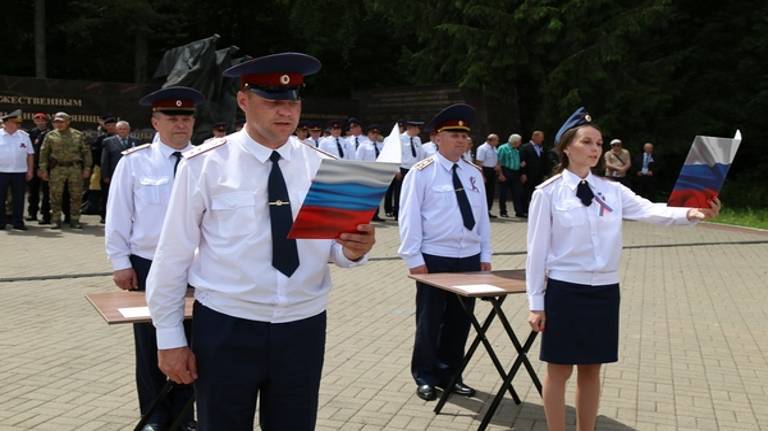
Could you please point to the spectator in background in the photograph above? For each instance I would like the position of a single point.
(111, 153)
(429, 148)
(36, 185)
(93, 192)
(617, 162)
(646, 175)
(16, 161)
(488, 159)
(534, 164)
(354, 134)
(509, 160)
(315, 133)
(302, 132)
(219, 129)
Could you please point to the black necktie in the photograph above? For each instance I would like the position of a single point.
(357, 144)
(316, 143)
(461, 196)
(584, 193)
(285, 254)
(176, 154)
(338, 147)
(413, 150)
(376, 148)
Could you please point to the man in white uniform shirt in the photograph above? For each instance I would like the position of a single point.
(411, 154)
(355, 136)
(369, 150)
(315, 134)
(16, 163)
(444, 227)
(429, 148)
(259, 315)
(138, 200)
(488, 159)
(337, 144)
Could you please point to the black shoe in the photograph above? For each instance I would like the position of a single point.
(426, 392)
(189, 426)
(75, 225)
(44, 221)
(19, 227)
(491, 215)
(152, 427)
(505, 215)
(56, 225)
(102, 221)
(460, 389)
(377, 218)
(30, 218)
(389, 214)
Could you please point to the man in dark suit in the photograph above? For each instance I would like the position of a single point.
(534, 165)
(111, 153)
(646, 174)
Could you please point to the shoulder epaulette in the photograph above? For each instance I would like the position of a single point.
(134, 149)
(550, 180)
(324, 153)
(424, 163)
(206, 146)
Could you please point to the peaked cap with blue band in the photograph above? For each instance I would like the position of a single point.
(455, 118)
(276, 76)
(175, 100)
(580, 117)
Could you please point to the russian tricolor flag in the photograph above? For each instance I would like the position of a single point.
(343, 195)
(704, 171)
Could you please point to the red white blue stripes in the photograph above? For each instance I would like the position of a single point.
(704, 171)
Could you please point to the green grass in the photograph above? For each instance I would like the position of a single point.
(751, 217)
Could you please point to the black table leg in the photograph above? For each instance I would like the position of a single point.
(481, 330)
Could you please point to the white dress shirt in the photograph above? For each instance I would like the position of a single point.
(351, 141)
(570, 242)
(487, 156)
(312, 142)
(367, 152)
(219, 207)
(408, 158)
(429, 149)
(430, 218)
(14, 149)
(328, 144)
(138, 199)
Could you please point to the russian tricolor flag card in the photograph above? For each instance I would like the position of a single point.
(704, 171)
(346, 193)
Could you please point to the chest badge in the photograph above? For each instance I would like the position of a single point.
(604, 208)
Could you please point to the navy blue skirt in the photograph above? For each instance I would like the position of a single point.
(582, 323)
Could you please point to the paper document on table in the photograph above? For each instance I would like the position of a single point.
(704, 171)
(133, 312)
(479, 288)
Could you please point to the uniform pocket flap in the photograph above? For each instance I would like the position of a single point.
(150, 181)
(233, 200)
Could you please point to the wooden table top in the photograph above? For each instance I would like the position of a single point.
(476, 284)
(132, 304)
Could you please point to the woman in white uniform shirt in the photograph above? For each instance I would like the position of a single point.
(574, 249)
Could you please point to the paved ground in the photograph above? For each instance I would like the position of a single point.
(694, 343)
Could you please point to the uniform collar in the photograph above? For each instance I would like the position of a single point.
(572, 180)
(166, 150)
(261, 152)
(445, 163)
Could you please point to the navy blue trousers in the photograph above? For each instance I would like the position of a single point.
(442, 325)
(18, 186)
(149, 379)
(241, 361)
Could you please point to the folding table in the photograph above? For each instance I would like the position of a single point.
(494, 287)
(129, 306)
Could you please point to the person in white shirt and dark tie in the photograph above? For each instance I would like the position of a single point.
(260, 297)
(487, 158)
(369, 150)
(139, 190)
(572, 278)
(444, 227)
(315, 134)
(337, 144)
(355, 135)
(646, 172)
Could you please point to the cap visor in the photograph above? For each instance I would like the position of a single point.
(276, 95)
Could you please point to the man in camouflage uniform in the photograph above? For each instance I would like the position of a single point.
(68, 157)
